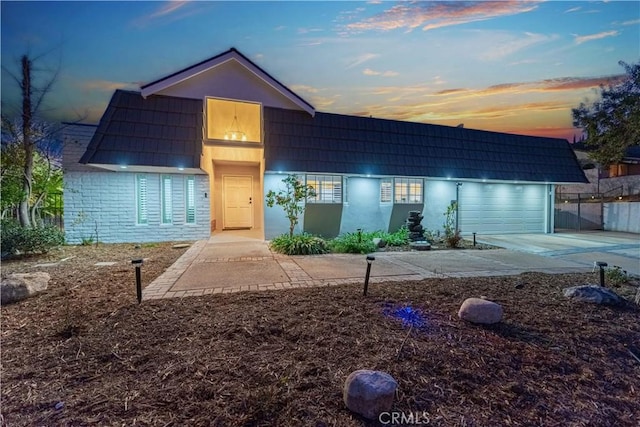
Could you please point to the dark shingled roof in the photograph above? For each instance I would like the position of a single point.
(156, 131)
(167, 131)
(333, 143)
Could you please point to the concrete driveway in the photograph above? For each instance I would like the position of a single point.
(584, 248)
(238, 261)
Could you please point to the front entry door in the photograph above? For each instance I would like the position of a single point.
(238, 201)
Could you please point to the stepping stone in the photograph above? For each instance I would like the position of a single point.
(105, 263)
(180, 246)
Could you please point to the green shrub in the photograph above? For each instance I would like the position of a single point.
(397, 238)
(353, 243)
(615, 276)
(16, 239)
(87, 241)
(299, 244)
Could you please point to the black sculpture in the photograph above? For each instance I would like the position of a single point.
(413, 225)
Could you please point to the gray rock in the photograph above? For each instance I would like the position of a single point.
(478, 310)
(369, 393)
(592, 293)
(381, 243)
(19, 286)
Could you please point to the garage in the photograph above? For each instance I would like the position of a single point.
(502, 208)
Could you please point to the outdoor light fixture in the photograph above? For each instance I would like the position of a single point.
(137, 263)
(370, 259)
(602, 265)
(235, 133)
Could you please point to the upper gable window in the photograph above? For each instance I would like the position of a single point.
(233, 121)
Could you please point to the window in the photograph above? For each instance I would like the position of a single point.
(141, 199)
(408, 190)
(328, 188)
(385, 190)
(190, 200)
(165, 199)
(233, 121)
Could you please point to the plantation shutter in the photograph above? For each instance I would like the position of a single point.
(385, 191)
(166, 199)
(190, 204)
(337, 189)
(141, 199)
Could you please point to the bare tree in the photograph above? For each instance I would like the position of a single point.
(26, 134)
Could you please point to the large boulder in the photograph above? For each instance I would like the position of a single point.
(369, 393)
(593, 294)
(18, 286)
(478, 310)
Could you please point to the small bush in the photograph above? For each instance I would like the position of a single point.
(398, 238)
(453, 240)
(299, 244)
(616, 276)
(87, 241)
(17, 240)
(353, 243)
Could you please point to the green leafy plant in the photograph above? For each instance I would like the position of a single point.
(290, 199)
(18, 240)
(353, 243)
(452, 236)
(87, 241)
(299, 244)
(397, 238)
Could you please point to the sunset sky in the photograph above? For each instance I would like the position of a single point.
(509, 66)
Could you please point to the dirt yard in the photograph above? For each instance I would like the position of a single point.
(85, 353)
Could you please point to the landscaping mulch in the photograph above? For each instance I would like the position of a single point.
(85, 353)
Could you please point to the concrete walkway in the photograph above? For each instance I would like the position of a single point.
(237, 261)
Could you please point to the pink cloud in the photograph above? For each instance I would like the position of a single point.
(431, 15)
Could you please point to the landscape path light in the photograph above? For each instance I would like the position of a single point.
(370, 259)
(602, 265)
(137, 263)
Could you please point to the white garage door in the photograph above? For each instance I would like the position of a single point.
(501, 208)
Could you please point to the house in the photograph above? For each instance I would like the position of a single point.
(619, 179)
(197, 151)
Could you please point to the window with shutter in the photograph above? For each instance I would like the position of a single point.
(166, 199)
(385, 191)
(408, 190)
(328, 188)
(141, 199)
(190, 202)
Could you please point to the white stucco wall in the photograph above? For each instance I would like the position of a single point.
(490, 208)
